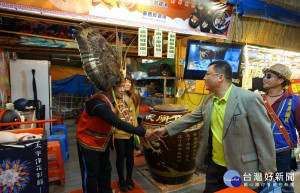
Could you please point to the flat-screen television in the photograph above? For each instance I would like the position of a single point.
(199, 54)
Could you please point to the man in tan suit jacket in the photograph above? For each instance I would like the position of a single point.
(237, 138)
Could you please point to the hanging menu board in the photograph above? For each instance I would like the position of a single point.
(142, 47)
(158, 43)
(171, 44)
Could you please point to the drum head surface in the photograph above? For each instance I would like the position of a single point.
(171, 108)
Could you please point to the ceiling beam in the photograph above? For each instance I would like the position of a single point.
(74, 22)
(14, 45)
(35, 35)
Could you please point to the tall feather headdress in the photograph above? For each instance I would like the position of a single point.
(100, 62)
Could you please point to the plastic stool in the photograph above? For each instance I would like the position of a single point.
(59, 128)
(59, 120)
(56, 169)
(63, 145)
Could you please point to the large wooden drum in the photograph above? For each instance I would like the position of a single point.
(171, 160)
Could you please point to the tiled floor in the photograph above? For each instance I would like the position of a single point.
(73, 178)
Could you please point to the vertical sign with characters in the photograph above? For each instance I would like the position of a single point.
(171, 44)
(142, 47)
(158, 43)
(39, 169)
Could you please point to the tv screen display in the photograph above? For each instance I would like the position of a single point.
(200, 54)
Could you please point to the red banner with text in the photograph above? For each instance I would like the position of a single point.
(4, 79)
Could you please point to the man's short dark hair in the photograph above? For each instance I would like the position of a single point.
(223, 67)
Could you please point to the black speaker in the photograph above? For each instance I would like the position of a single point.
(160, 70)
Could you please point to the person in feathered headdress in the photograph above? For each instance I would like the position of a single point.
(95, 128)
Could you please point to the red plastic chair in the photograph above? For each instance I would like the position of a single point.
(59, 120)
(56, 169)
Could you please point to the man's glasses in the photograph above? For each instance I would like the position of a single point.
(269, 76)
(207, 74)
